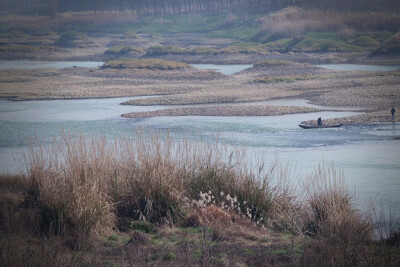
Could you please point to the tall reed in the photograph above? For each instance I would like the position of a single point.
(295, 21)
(85, 186)
(341, 231)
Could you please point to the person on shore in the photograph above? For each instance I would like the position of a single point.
(393, 111)
(319, 122)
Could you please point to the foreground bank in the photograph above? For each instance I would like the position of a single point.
(157, 201)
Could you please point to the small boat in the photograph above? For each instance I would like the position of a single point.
(305, 126)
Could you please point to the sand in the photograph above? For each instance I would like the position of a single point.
(371, 92)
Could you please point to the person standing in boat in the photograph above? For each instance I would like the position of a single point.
(319, 122)
(393, 111)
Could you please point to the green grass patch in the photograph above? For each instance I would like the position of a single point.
(279, 79)
(109, 263)
(322, 42)
(381, 36)
(168, 49)
(390, 46)
(69, 37)
(363, 40)
(173, 239)
(154, 241)
(13, 34)
(280, 45)
(244, 48)
(113, 237)
(240, 47)
(248, 251)
(164, 49)
(240, 33)
(169, 256)
(120, 49)
(273, 63)
(43, 32)
(18, 48)
(197, 254)
(142, 226)
(191, 230)
(73, 35)
(387, 49)
(151, 64)
(280, 251)
(130, 34)
(154, 257)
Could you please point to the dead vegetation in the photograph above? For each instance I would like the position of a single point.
(153, 200)
(294, 21)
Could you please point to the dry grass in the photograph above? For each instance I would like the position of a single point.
(296, 21)
(69, 192)
(75, 183)
(343, 233)
(80, 187)
(390, 46)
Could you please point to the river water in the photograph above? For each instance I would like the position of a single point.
(368, 155)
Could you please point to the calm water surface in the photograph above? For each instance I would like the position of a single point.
(368, 155)
(224, 69)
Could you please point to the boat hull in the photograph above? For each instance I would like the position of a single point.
(304, 126)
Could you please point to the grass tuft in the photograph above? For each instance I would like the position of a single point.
(13, 34)
(120, 49)
(151, 64)
(273, 63)
(391, 46)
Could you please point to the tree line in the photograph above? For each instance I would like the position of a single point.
(171, 7)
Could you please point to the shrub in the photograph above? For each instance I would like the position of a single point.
(72, 201)
(162, 50)
(13, 34)
(341, 232)
(120, 49)
(69, 38)
(151, 64)
(141, 226)
(18, 48)
(390, 46)
(273, 63)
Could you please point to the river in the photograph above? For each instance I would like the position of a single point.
(368, 155)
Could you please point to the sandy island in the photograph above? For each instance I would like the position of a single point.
(280, 76)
